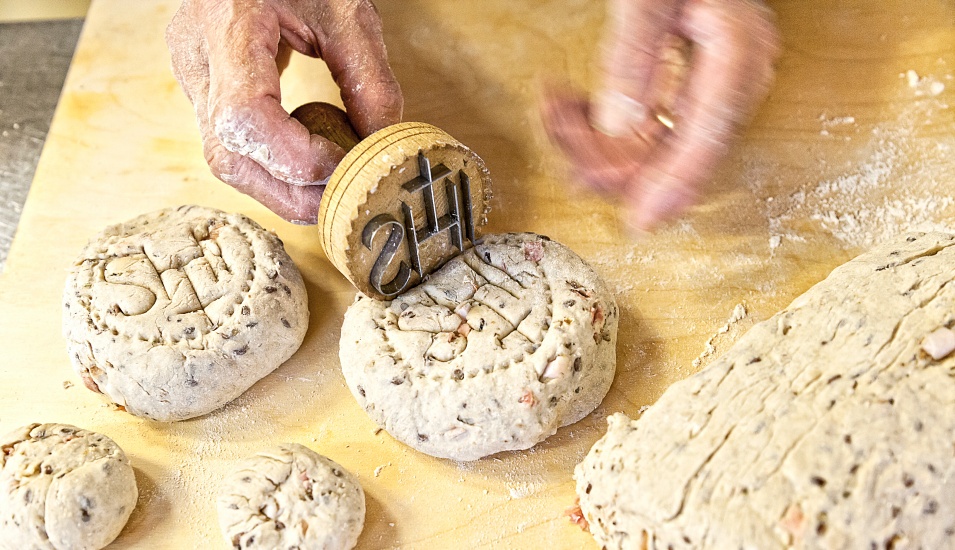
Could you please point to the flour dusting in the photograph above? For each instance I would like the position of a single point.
(739, 312)
(895, 185)
(924, 85)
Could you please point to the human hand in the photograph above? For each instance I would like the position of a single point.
(650, 135)
(227, 55)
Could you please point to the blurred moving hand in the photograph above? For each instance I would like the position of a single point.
(227, 55)
(651, 136)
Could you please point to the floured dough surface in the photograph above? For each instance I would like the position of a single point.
(177, 312)
(62, 488)
(291, 497)
(826, 426)
(495, 351)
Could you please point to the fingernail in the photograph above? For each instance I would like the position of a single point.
(617, 114)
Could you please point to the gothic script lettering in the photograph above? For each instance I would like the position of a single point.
(458, 222)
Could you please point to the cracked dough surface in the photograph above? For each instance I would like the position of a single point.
(495, 351)
(177, 312)
(291, 497)
(825, 426)
(62, 488)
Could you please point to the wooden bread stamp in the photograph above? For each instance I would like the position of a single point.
(402, 202)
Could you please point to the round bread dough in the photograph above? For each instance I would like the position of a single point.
(826, 426)
(63, 488)
(291, 497)
(495, 351)
(177, 312)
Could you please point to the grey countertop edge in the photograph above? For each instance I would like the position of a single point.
(34, 59)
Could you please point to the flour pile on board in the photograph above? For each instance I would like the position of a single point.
(895, 186)
(829, 123)
(739, 312)
(924, 85)
(844, 205)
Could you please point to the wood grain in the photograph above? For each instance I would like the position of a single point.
(844, 152)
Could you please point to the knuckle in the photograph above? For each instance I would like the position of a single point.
(300, 213)
(360, 6)
(388, 93)
(181, 23)
(176, 35)
(232, 124)
(223, 163)
(364, 14)
(172, 33)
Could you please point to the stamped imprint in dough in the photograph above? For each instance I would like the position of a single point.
(177, 312)
(494, 351)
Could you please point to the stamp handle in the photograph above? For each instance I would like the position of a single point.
(401, 202)
(328, 121)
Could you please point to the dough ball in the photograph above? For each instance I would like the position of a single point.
(826, 426)
(177, 312)
(291, 497)
(495, 351)
(63, 488)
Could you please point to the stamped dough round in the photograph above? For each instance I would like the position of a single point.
(291, 497)
(495, 351)
(177, 312)
(62, 487)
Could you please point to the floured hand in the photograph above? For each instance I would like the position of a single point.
(227, 55)
(645, 140)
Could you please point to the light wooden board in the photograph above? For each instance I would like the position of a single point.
(844, 153)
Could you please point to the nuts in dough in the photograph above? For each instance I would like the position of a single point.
(291, 497)
(177, 312)
(825, 426)
(495, 351)
(62, 488)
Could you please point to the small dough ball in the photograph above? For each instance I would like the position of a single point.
(291, 497)
(177, 312)
(62, 488)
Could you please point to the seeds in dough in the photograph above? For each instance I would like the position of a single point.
(62, 488)
(826, 426)
(291, 497)
(177, 312)
(495, 351)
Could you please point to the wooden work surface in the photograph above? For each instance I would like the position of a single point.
(847, 151)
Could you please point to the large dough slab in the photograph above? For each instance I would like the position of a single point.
(825, 426)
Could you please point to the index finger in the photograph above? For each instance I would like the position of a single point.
(245, 99)
(352, 44)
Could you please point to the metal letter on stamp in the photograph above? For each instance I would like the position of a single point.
(458, 221)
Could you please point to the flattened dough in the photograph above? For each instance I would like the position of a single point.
(495, 351)
(825, 426)
(177, 312)
(291, 497)
(62, 488)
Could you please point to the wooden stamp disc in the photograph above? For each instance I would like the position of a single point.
(401, 203)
